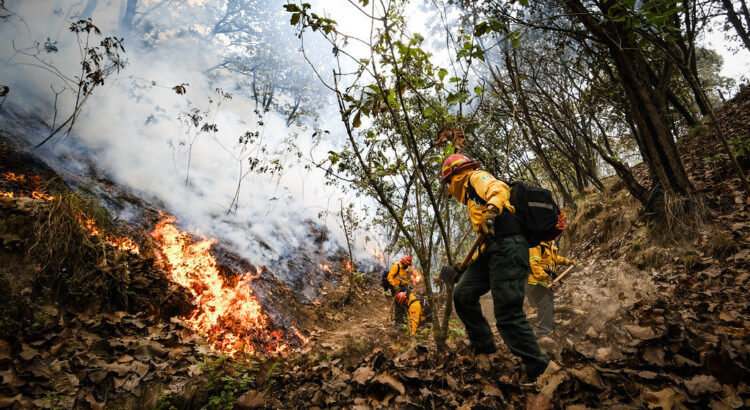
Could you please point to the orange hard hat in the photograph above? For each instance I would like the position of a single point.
(406, 260)
(401, 298)
(456, 162)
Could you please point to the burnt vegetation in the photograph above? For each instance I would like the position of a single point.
(618, 107)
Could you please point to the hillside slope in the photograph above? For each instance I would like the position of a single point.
(647, 320)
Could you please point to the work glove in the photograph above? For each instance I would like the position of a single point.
(448, 274)
(488, 224)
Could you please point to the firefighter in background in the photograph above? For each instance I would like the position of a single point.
(544, 261)
(398, 280)
(501, 266)
(414, 308)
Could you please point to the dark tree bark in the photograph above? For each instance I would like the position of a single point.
(648, 100)
(291, 115)
(742, 32)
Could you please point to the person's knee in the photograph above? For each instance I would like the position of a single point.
(509, 314)
(462, 296)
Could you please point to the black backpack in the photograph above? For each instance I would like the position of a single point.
(538, 211)
(426, 309)
(384, 281)
(540, 216)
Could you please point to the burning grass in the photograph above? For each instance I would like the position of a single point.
(21, 185)
(73, 262)
(229, 314)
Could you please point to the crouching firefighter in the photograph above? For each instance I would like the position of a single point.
(544, 261)
(417, 310)
(501, 265)
(398, 283)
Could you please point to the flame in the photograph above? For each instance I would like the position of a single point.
(325, 267)
(416, 277)
(300, 335)
(42, 196)
(21, 179)
(228, 313)
(348, 265)
(10, 176)
(122, 243)
(378, 255)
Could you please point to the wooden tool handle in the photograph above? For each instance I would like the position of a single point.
(478, 241)
(562, 275)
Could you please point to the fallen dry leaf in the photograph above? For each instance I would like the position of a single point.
(654, 355)
(664, 399)
(539, 401)
(390, 381)
(27, 352)
(702, 384)
(66, 383)
(638, 332)
(250, 400)
(491, 390)
(6, 402)
(451, 382)
(589, 376)
(363, 375)
(5, 350)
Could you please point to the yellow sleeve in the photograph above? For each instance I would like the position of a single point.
(415, 312)
(492, 190)
(560, 260)
(392, 276)
(538, 274)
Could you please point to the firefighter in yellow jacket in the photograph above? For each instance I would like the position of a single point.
(501, 266)
(399, 283)
(415, 311)
(544, 261)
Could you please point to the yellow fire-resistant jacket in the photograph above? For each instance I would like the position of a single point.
(415, 313)
(493, 191)
(397, 275)
(544, 258)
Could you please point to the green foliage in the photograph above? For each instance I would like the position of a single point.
(455, 330)
(740, 145)
(491, 25)
(227, 379)
(359, 277)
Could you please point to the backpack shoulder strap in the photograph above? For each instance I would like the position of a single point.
(472, 194)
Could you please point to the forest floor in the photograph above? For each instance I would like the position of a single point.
(650, 317)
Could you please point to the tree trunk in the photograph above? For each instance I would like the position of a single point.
(126, 23)
(647, 100)
(351, 257)
(736, 22)
(290, 118)
(88, 11)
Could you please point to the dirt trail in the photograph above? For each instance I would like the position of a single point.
(363, 320)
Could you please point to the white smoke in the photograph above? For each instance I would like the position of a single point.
(130, 130)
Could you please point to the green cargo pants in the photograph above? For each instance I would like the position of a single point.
(503, 268)
(541, 298)
(399, 310)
